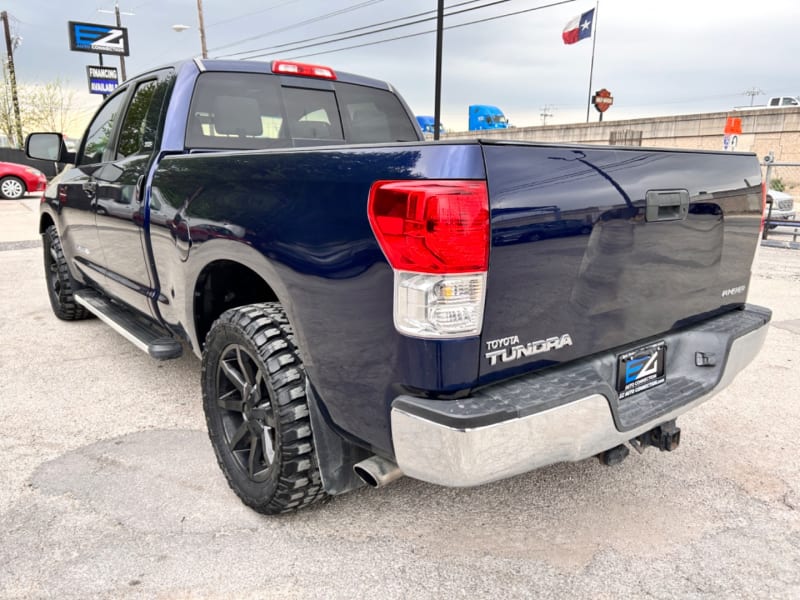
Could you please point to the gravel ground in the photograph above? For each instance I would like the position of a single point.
(109, 488)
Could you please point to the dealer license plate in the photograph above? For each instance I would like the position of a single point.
(641, 369)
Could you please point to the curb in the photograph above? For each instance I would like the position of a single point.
(777, 244)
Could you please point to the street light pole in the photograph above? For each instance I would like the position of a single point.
(117, 14)
(121, 58)
(202, 28)
(12, 78)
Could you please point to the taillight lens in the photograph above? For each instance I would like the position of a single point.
(435, 234)
(432, 226)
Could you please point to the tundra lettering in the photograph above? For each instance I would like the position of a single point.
(517, 352)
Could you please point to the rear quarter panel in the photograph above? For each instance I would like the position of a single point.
(299, 218)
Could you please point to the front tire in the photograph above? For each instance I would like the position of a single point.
(60, 285)
(12, 188)
(256, 409)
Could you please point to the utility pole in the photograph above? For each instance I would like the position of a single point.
(752, 92)
(202, 28)
(12, 78)
(546, 114)
(117, 14)
(437, 101)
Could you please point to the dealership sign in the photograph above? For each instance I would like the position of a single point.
(99, 39)
(102, 80)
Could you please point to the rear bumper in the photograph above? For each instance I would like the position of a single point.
(567, 413)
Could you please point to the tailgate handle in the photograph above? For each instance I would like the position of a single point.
(667, 205)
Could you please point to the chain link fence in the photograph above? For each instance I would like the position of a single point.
(783, 191)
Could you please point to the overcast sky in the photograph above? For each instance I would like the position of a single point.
(656, 58)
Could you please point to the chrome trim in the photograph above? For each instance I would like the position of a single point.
(199, 63)
(572, 432)
(112, 323)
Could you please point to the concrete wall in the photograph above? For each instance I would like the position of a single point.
(763, 130)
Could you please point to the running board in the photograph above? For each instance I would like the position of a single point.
(143, 333)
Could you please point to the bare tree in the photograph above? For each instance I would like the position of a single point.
(52, 106)
(43, 107)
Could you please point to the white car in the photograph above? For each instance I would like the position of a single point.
(782, 207)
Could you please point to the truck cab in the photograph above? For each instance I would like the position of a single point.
(426, 123)
(485, 116)
(782, 101)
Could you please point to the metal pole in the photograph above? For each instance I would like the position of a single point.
(12, 78)
(591, 68)
(437, 101)
(202, 28)
(767, 179)
(121, 58)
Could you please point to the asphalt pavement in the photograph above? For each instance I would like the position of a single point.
(109, 487)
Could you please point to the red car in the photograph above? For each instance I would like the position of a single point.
(18, 180)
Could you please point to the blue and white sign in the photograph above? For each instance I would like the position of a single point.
(99, 39)
(102, 80)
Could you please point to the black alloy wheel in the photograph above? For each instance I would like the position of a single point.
(254, 398)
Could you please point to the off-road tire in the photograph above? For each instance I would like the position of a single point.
(12, 188)
(254, 393)
(60, 285)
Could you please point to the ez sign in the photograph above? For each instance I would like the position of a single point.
(98, 39)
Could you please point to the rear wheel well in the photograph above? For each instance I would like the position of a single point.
(45, 222)
(222, 285)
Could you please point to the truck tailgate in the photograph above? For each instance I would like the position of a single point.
(595, 248)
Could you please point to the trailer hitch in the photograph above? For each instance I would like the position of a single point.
(665, 437)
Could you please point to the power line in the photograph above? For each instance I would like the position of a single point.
(334, 13)
(271, 49)
(403, 37)
(250, 14)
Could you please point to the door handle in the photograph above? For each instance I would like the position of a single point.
(667, 205)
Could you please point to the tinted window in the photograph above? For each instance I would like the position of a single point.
(373, 115)
(140, 127)
(312, 114)
(251, 111)
(99, 132)
(236, 110)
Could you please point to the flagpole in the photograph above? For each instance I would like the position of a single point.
(591, 68)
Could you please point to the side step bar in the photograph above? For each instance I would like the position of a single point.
(145, 334)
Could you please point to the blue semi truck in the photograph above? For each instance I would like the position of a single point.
(485, 116)
(427, 125)
(367, 305)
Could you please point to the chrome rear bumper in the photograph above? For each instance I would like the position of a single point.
(431, 445)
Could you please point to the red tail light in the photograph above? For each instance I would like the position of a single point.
(432, 226)
(286, 67)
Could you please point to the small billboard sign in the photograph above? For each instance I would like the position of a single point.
(97, 38)
(102, 80)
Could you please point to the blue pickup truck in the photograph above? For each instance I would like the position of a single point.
(368, 305)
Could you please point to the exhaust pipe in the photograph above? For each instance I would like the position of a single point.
(377, 472)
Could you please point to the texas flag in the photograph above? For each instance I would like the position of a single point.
(579, 28)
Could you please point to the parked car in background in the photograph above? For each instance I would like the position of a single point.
(782, 207)
(18, 180)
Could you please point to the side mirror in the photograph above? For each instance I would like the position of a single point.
(48, 146)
